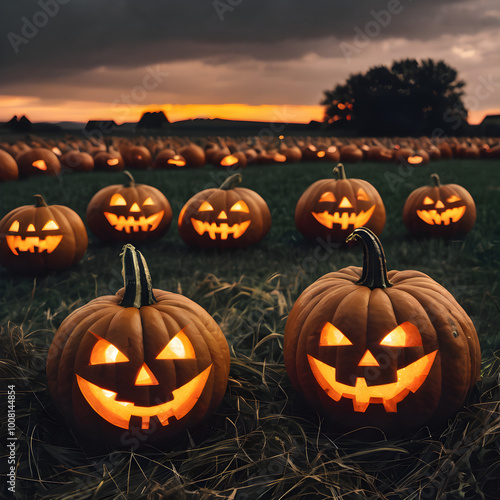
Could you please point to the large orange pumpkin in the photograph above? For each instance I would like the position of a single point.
(138, 366)
(225, 217)
(129, 213)
(40, 237)
(389, 350)
(332, 208)
(439, 210)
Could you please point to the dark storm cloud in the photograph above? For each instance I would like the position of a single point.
(87, 34)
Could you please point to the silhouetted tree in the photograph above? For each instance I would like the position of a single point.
(409, 98)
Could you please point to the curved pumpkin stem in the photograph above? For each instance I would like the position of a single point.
(435, 180)
(374, 265)
(339, 171)
(231, 182)
(138, 285)
(131, 180)
(39, 201)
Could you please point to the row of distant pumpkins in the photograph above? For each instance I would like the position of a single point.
(40, 237)
(37, 156)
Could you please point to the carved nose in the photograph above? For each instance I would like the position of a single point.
(222, 215)
(145, 376)
(345, 203)
(368, 359)
(135, 208)
(439, 204)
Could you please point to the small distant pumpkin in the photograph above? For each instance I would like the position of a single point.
(41, 237)
(38, 161)
(442, 210)
(139, 366)
(129, 213)
(225, 217)
(333, 208)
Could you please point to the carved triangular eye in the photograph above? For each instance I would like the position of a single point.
(50, 225)
(179, 347)
(453, 199)
(331, 335)
(328, 196)
(148, 201)
(428, 201)
(205, 207)
(117, 200)
(240, 206)
(14, 226)
(404, 335)
(361, 195)
(104, 352)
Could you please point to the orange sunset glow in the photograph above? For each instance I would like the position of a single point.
(81, 111)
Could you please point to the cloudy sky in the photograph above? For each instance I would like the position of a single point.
(249, 59)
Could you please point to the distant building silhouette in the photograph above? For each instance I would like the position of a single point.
(21, 125)
(490, 126)
(155, 119)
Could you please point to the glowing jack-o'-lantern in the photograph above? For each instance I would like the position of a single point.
(41, 237)
(38, 161)
(133, 212)
(331, 208)
(149, 363)
(439, 210)
(371, 348)
(226, 217)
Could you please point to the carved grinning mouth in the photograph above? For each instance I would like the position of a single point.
(119, 413)
(345, 219)
(448, 216)
(223, 229)
(129, 223)
(410, 378)
(33, 244)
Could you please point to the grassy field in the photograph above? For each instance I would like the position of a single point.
(263, 442)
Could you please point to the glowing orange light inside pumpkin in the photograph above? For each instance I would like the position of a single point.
(40, 164)
(327, 196)
(177, 160)
(56, 151)
(414, 160)
(229, 161)
(117, 200)
(279, 158)
(368, 359)
(321, 154)
(112, 161)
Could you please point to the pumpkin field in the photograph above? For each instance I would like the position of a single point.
(260, 438)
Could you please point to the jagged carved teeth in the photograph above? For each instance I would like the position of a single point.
(345, 219)
(223, 229)
(433, 217)
(33, 244)
(129, 223)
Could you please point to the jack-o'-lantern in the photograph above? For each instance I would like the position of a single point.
(232, 161)
(446, 210)
(224, 217)
(136, 156)
(145, 363)
(388, 350)
(332, 208)
(38, 161)
(168, 158)
(193, 155)
(41, 237)
(129, 213)
(110, 159)
(350, 153)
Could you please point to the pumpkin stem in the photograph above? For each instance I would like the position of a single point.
(39, 201)
(435, 180)
(231, 182)
(374, 265)
(131, 182)
(138, 285)
(339, 171)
